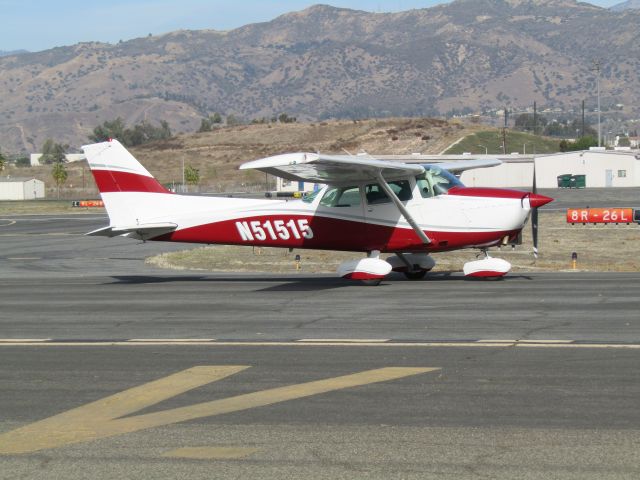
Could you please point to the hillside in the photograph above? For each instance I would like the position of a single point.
(218, 154)
(490, 141)
(629, 4)
(465, 56)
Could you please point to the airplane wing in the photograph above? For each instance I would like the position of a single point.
(336, 169)
(460, 166)
(333, 169)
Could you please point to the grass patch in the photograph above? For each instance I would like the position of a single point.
(43, 207)
(516, 142)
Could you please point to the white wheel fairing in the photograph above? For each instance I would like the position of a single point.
(487, 268)
(364, 269)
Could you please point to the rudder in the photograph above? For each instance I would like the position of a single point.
(116, 170)
(126, 187)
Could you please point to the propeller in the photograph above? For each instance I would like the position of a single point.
(534, 215)
(536, 201)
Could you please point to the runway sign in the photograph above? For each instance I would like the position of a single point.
(599, 215)
(87, 203)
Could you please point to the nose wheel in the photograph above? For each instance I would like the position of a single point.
(415, 274)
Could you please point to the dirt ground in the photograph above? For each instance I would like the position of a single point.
(599, 248)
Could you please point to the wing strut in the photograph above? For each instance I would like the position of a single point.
(405, 213)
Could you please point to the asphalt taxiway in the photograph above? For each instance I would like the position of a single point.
(234, 376)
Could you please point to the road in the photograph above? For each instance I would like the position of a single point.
(240, 376)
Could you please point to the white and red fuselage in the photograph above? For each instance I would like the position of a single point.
(458, 217)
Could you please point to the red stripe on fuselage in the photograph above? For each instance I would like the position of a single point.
(487, 192)
(114, 181)
(336, 234)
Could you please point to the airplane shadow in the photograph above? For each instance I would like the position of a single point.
(306, 283)
(284, 283)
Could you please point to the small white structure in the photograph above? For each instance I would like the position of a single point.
(21, 188)
(601, 168)
(283, 185)
(71, 157)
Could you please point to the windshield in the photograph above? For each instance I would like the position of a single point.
(341, 197)
(436, 181)
(310, 196)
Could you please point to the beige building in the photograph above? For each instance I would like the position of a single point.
(71, 157)
(21, 188)
(601, 168)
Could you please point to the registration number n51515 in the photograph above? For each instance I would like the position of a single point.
(274, 230)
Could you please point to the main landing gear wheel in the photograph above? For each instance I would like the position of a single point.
(372, 283)
(416, 274)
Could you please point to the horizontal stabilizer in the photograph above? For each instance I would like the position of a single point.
(143, 231)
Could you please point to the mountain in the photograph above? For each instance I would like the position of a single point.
(4, 53)
(325, 62)
(628, 5)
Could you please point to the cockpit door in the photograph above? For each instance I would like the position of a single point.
(340, 218)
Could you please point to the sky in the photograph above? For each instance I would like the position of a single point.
(38, 25)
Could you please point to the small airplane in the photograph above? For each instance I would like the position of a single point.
(367, 205)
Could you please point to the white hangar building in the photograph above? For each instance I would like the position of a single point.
(608, 168)
(599, 168)
(21, 188)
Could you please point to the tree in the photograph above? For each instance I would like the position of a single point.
(525, 122)
(59, 174)
(3, 162)
(109, 129)
(139, 134)
(205, 125)
(232, 120)
(623, 141)
(583, 143)
(23, 162)
(53, 152)
(191, 175)
(284, 118)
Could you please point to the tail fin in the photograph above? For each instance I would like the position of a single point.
(124, 184)
(116, 170)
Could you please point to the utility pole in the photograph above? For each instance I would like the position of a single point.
(183, 186)
(504, 132)
(596, 64)
(535, 118)
(582, 118)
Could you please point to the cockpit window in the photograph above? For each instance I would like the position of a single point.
(311, 196)
(436, 181)
(376, 195)
(341, 197)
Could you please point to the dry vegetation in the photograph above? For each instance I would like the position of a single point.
(599, 248)
(218, 154)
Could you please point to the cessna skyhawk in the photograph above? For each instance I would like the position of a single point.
(367, 205)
